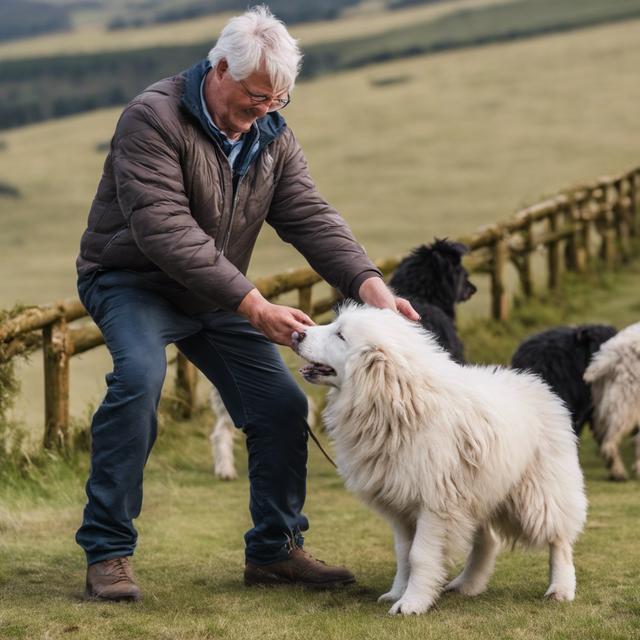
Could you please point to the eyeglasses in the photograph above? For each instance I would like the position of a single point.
(257, 98)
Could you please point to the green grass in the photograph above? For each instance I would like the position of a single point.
(189, 560)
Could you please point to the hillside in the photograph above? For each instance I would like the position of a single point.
(33, 90)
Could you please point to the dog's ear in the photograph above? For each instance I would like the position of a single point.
(381, 387)
(602, 364)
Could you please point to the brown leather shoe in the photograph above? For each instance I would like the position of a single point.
(299, 568)
(112, 580)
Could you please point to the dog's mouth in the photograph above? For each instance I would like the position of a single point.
(315, 370)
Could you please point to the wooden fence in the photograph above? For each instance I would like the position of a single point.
(571, 229)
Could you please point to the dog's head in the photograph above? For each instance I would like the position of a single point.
(374, 356)
(590, 337)
(435, 274)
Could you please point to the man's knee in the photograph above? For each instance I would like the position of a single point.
(282, 414)
(141, 371)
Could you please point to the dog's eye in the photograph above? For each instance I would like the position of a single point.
(340, 336)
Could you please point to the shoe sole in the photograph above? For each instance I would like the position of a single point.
(90, 596)
(279, 582)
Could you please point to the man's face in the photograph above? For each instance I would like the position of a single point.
(236, 105)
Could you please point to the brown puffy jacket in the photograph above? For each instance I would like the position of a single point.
(166, 209)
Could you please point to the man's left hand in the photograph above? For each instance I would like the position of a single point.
(374, 291)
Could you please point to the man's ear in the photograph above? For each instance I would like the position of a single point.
(221, 68)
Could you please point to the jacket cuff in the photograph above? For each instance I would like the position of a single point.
(241, 289)
(359, 279)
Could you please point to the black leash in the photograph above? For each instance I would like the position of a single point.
(326, 455)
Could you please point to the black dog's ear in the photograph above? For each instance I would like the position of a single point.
(450, 248)
(582, 334)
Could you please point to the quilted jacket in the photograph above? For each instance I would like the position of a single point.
(169, 207)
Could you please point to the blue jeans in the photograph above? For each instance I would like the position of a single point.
(257, 389)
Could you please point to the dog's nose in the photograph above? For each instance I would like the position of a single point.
(297, 337)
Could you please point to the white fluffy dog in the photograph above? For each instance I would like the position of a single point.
(614, 376)
(448, 454)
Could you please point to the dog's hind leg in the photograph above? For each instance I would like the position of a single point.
(562, 574)
(636, 464)
(610, 451)
(402, 537)
(222, 438)
(426, 566)
(479, 565)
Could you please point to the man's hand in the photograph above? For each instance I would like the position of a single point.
(374, 291)
(275, 321)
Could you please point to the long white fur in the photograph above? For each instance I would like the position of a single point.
(449, 455)
(614, 376)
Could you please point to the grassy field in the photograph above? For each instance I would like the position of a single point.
(94, 38)
(189, 560)
(457, 141)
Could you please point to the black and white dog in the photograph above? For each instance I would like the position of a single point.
(433, 279)
(560, 356)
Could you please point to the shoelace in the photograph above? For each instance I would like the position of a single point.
(118, 569)
(293, 546)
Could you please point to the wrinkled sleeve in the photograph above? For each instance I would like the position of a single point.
(152, 196)
(304, 219)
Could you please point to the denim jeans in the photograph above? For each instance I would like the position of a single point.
(257, 389)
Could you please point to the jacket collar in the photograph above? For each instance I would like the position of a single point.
(270, 127)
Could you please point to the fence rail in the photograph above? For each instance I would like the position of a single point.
(572, 228)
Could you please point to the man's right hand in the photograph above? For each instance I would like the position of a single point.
(275, 321)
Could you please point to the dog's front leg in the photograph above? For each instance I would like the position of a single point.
(402, 537)
(426, 566)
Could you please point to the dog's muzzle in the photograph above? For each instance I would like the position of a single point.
(314, 370)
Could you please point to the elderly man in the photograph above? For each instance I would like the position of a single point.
(197, 163)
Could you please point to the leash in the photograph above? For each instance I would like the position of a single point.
(326, 455)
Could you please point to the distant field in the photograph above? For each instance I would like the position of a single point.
(92, 38)
(429, 146)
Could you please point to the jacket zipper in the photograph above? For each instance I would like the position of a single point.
(233, 212)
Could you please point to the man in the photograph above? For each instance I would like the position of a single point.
(197, 163)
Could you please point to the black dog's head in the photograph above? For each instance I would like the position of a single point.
(434, 273)
(590, 337)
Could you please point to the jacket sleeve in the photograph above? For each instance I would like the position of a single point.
(152, 197)
(303, 218)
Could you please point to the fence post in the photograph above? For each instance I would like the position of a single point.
(634, 206)
(606, 225)
(499, 301)
(620, 212)
(576, 252)
(56, 384)
(526, 270)
(554, 250)
(186, 383)
(304, 299)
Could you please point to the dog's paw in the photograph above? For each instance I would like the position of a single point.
(618, 476)
(459, 585)
(224, 472)
(560, 593)
(390, 596)
(408, 605)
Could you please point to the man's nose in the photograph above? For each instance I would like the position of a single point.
(263, 107)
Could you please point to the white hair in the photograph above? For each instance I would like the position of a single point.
(257, 40)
